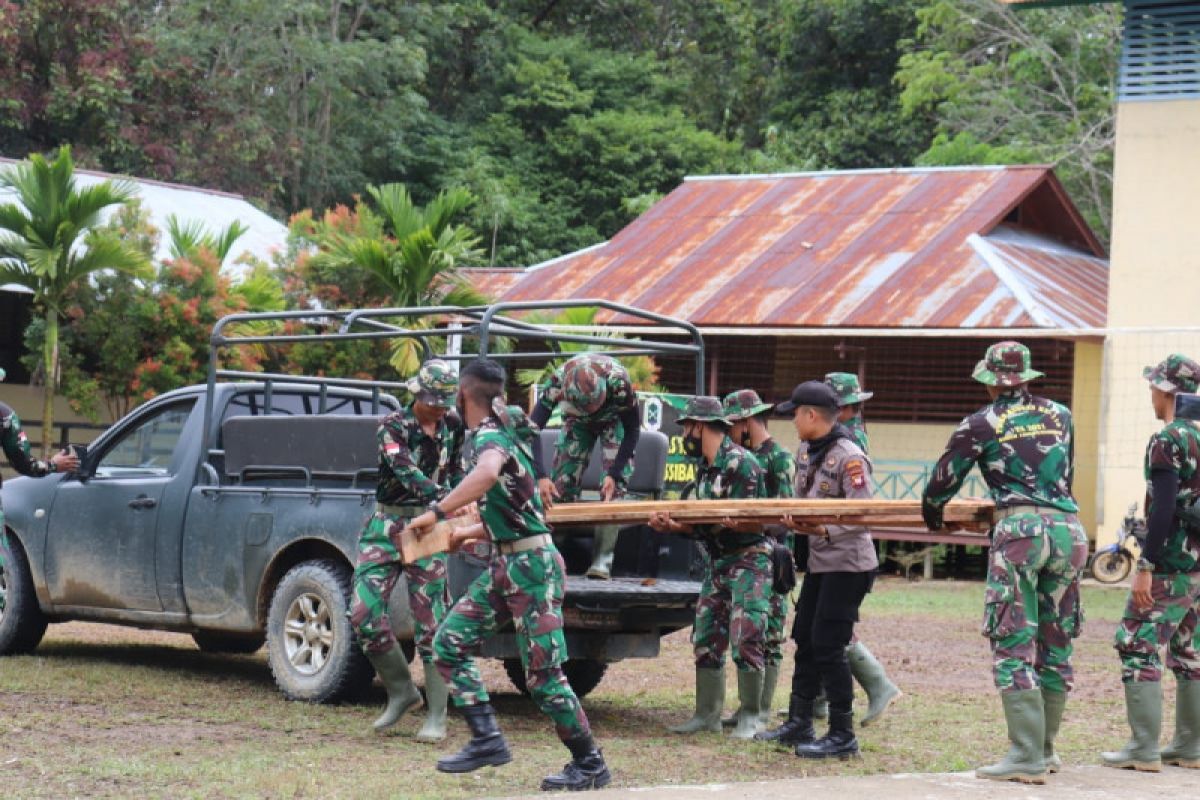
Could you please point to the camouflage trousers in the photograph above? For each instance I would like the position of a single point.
(526, 588)
(573, 450)
(1032, 613)
(733, 610)
(375, 575)
(1171, 622)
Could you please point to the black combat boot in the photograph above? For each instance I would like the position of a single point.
(487, 747)
(586, 770)
(797, 729)
(839, 742)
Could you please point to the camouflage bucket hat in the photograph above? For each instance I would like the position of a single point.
(583, 384)
(1005, 364)
(435, 384)
(847, 387)
(743, 404)
(1175, 373)
(703, 409)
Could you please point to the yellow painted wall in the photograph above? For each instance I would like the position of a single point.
(1154, 286)
(1085, 406)
(27, 402)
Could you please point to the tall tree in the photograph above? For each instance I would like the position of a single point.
(49, 243)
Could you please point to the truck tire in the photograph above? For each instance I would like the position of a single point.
(213, 642)
(584, 674)
(310, 644)
(22, 623)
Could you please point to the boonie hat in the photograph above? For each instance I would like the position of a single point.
(436, 383)
(810, 393)
(703, 409)
(847, 387)
(743, 404)
(1005, 364)
(584, 387)
(1175, 373)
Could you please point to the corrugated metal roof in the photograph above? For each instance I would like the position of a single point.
(860, 249)
(216, 210)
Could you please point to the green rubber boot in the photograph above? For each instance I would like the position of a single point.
(1025, 717)
(434, 729)
(710, 700)
(1054, 704)
(871, 676)
(392, 668)
(602, 552)
(770, 681)
(750, 688)
(1184, 749)
(1143, 708)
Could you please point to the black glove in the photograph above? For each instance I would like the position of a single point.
(932, 514)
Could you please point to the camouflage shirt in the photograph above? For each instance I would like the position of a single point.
(1024, 447)
(619, 392)
(779, 469)
(414, 467)
(16, 447)
(858, 429)
(734, 474)
(512, 508)
(1177, 448)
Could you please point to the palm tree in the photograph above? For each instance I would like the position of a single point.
(49, 243)
(188, 238)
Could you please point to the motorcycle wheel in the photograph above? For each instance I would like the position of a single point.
(1111, 567)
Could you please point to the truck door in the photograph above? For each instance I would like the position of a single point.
(102, 541)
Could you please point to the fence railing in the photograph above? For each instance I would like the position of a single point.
(64, 428)
(905, 480)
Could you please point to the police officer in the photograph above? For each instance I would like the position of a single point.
(747, 415)
(735, 595)
(841, 569)
(523, 584)
(1164, 602)
(419, 461)
(865, 668)
(1023, 445)
(596, 397)
(16, 448)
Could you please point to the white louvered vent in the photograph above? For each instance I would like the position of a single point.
(1160, 54)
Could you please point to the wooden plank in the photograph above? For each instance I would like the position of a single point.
(819, 511)
(435, 541)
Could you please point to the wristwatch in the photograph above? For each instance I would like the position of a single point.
(437, 510)
(1145, 565)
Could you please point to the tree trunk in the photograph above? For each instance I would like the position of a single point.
(50, 367)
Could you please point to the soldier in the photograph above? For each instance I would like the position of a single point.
(419, 461)
(747, 414)
(523, 584)
(597, 401)
(735, 596)
(841, 569)
(1024, 447)
(16, 448)
(1164, 601)
(865, 668)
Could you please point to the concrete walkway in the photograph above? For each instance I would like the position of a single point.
(1074, 783)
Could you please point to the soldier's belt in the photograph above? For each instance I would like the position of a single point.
(1013, 511)
(523, 545)
(400, 511)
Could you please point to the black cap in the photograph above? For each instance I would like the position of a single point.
(810, 393)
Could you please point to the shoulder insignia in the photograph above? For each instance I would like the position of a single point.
(857, 472)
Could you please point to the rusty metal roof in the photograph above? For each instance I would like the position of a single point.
(855, 249)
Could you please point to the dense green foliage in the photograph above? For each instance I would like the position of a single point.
(562, 119)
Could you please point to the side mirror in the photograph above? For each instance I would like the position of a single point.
(85, 469)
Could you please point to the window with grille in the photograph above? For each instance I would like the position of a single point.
(1160, 51)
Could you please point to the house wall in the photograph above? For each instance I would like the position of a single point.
(27, 402)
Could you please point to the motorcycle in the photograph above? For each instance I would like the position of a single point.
(1113, 563)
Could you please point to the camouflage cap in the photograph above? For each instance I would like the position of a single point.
(743, 404)
(1005, 364)
(584, 386)
(703, 408)
(849, 390)
(436, 383)
(1175, 373)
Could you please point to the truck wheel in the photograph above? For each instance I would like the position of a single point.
(212, 642)
(584, 674)
(22, 623)
(310, 643)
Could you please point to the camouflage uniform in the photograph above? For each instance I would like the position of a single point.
(849, 392)
(16, 448)
(1023, 445)
(1171, 621)
(414, 470)
(524, 587)
(574, 388)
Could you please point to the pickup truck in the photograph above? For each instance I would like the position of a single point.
(231, 511)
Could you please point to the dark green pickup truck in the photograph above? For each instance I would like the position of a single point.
(231, 512)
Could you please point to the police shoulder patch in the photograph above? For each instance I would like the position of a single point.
(857, 472)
